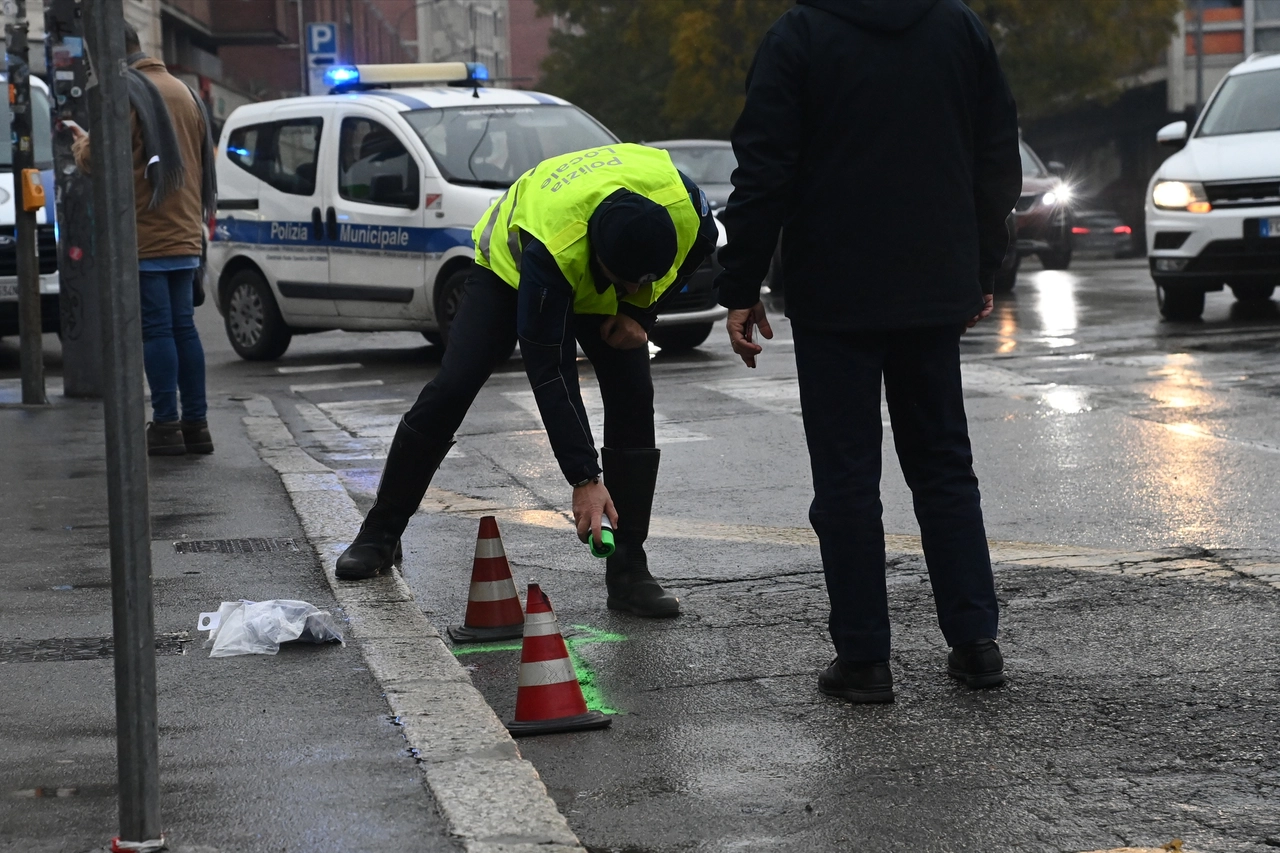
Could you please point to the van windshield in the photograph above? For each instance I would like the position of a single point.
(491, 146)
(42, 132)
(1246, 103)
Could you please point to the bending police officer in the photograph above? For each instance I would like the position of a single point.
(577, 252)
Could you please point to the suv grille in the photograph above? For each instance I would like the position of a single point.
(1244, 194)
(46, 247)
(1026, 202)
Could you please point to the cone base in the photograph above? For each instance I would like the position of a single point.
(579, 723)
(468, 634)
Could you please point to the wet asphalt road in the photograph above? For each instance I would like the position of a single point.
(1142, 705)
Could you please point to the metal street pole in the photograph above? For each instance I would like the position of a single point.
(1199, 55)
(77, 276)
(116, 247)
(30, 324)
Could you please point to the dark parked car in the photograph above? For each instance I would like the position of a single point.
(1102, 232)
(1043, 212)
(685, 319)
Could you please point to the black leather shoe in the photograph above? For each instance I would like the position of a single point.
(857, 682)
(977, 664)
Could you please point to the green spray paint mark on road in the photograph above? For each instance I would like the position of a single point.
(582, 635)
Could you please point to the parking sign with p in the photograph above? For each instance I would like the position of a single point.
(322, 52)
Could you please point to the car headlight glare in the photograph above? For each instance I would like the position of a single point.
(1180, 195)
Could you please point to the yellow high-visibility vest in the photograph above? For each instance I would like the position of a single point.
(553, 202)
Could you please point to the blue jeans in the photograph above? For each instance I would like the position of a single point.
(840, 375)
(171, 351)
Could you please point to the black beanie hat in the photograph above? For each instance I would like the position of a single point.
(634, 237)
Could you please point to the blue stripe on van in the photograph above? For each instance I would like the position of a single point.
(386, 238)
(401, 98)
(541, 98)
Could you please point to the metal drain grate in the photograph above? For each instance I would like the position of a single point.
(81, 648)
(251, 545)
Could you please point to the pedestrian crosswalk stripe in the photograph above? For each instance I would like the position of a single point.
(319, 368)
(665, 430)
(333, 386)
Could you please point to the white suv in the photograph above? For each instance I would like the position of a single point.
(1213, 209)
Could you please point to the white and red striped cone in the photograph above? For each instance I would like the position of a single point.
(493, 607)
(548, 698)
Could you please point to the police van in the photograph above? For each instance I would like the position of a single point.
(354, 210)
(46, 222)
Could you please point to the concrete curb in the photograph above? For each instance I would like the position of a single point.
(492, 800)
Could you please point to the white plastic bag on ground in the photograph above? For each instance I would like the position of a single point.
(259, 627)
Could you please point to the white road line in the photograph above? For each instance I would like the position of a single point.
(470, 763)
(666, 431)
(333, 386)
(319, 368)
(780, 395)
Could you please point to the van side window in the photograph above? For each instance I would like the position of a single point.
(374, 167)
(281, 153)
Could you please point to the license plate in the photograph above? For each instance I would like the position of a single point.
(8, 291)
(1269, 227)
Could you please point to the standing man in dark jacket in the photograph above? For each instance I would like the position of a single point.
(882, 139)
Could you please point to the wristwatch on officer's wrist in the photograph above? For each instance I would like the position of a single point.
(593, 480)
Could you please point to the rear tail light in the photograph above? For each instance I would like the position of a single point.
(213, 225)
(1079, 229)
(1122, 229)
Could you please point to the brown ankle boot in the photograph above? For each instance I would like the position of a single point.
(164, 438)
(196, 436)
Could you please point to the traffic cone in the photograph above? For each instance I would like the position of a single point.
(493, 608)
(548, 699)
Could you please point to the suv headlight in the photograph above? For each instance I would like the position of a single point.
(1181, 195)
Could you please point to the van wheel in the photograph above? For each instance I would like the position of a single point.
(1180, 303)
(448, 301)
(254, 326)
(680, 338)
(1253, 292)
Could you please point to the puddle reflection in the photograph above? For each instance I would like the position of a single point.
(1057, 306)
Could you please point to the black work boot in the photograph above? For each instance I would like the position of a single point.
(411, 462)
(978, 664)
(857, 682)
(164, 438)
(631, 476)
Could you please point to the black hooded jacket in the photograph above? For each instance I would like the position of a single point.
(881, 136)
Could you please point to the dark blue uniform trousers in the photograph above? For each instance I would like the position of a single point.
(840, 376)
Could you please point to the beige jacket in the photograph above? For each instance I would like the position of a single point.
(176, 225)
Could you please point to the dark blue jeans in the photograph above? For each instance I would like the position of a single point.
(171, 352)
(840, 375)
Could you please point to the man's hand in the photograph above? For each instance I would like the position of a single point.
(741, 337)
(622, 332)
(589, 503)
(988, 305)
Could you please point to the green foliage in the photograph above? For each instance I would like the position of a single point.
(652, 69)
(1058, 53)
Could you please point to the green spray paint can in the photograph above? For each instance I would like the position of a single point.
(606, 546)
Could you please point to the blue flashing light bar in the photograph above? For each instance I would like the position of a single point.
(342, 75)
(478, 72)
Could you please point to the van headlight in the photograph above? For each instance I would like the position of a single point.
(1181, 195)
